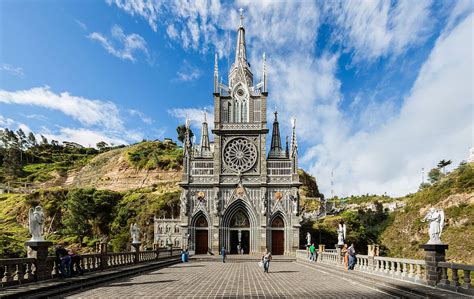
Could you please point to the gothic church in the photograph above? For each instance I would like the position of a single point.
(235, 194)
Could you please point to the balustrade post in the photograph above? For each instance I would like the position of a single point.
(136, 250)
(39, 251)
(103, 256)
(434, 253)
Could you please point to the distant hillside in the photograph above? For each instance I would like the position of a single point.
(455, 195)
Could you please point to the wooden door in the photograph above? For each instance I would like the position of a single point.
(201, 241)
(278, 242)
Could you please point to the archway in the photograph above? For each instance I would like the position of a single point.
(239, 225)
(201, 235)
(278, 235)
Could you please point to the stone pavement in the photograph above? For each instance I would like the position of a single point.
(235, 280)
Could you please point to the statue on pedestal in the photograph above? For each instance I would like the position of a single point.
(135, 233)
(341, 233)
(436, 219)
(36, 222)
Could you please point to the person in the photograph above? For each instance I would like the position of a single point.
(352, 257)
(345, 256)
(223, 253)
(266, 258)
(64, 262)
(75, 262)
(312, 252)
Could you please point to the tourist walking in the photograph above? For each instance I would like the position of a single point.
(266, 258)
(352, 256)
(223, 253)
(345, 256)
(312, 253)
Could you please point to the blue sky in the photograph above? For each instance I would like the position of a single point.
(380, 89)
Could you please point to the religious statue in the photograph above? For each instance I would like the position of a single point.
(308, 238)
(436, 219)
(341, 233)
(36, 221)
(135, 233)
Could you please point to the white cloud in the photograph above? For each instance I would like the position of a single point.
(188, 72)
(140, 115)
(435, 122)
(195, 115)
(86, 111)
(83, 136)
(13, 70)
(128, 45)
(376, 29)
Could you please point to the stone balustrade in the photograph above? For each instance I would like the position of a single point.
(24, 270)
(451, 276)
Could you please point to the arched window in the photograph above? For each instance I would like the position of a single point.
(278, 222)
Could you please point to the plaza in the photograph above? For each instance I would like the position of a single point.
(239, 279)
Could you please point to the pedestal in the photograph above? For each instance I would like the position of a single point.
(136, 249)
(434, 253)
(39, 251)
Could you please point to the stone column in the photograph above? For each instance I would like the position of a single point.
(136, 249)
(103, 256)
(39, 251)
(434, 253)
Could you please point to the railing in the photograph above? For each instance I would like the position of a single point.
(17, 271)
(405, 269)
(452, 282)
(24, 270)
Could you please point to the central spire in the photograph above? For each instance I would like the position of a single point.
(240, 70)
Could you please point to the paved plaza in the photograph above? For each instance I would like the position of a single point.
(245, 279)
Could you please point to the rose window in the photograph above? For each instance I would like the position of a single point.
(240, 154)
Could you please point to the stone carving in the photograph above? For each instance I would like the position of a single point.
(436, 219)
(36, 222)
(308, 238)
(135, 233)
(341, 233)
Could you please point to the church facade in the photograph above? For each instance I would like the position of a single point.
(235, 194)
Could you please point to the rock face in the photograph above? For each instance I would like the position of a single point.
(111, 171)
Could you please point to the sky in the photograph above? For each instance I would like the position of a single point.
(380, 89)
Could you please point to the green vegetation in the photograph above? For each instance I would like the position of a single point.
(151, 155)
(82, 217)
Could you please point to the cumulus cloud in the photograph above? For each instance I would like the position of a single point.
(86, 111)
(120, 44)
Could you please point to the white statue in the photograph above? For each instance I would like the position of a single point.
(341, 234)
(135, 233)
(36, 221)
(308, 238)
(436, 219)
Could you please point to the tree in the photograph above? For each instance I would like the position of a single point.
(434, 175)
(181, 130)
(443, 163)
(101, 145)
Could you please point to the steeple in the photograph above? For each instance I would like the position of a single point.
(275, 148)
(216, 75)
(204, 143)
(294, 147)
(240, 70)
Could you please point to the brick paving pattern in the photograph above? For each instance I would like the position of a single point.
(233, 280)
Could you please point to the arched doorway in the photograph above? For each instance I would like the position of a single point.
(278, 236)
(239, 233)
(201, 235)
